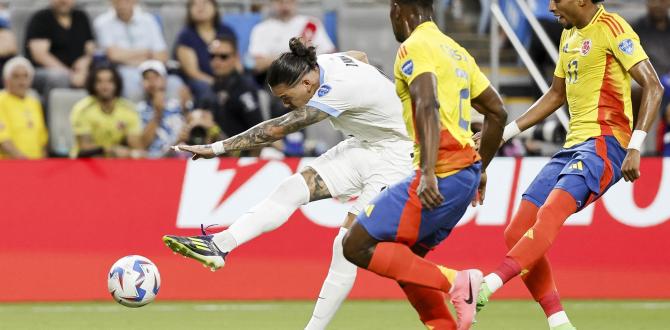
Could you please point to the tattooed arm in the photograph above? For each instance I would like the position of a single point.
(263, 133)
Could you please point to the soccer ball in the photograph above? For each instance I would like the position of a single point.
(134, 281)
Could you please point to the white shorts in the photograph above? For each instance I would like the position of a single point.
(363, 169)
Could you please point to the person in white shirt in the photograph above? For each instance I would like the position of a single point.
(359, 101)
(130, 36)
(270, 38)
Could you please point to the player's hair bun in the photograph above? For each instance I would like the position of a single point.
(298, 48)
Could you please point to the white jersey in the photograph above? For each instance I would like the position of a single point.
(361, 101)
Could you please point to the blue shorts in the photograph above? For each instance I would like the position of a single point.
(396, 214)
(586, 171)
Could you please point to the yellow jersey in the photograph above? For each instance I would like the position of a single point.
(106, 129)
(22, 123)
(594, 61)
(459, 79)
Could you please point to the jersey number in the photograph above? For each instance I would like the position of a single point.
(463, 95)
(573, 73)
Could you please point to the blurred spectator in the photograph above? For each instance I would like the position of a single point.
(8, 45)
(162, 117)
(23, 134)
(60, 43)
(235, 106)
(200, 128)
(270, 38)
(129, 37)
(654, 32)
(203, 25)
(103, 123)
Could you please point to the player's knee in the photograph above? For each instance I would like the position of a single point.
(354, 252)
(512, 236)
(293, 191)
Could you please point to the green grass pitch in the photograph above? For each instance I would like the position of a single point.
(279, 315)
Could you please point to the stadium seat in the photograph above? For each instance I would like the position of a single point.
(19, 17)
(242, 24)
(368, 29)
(61, 101)
(173, 20)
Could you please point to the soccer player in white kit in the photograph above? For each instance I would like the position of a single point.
(360, 102)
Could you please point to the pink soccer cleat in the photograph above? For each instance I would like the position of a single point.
(464, 296)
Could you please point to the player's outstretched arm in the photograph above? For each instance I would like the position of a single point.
(652, 93)
(551, 101)
(424, 96)
(490, 104)
(261, 134)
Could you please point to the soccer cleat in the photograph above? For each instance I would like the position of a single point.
(483, 296)
(564, 326)
(462, 293)
(200, 248)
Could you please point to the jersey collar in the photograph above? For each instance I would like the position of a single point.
(601, 10)
(425, 25)
(322, 74)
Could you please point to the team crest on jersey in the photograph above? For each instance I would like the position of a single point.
(408, 68)
(586, 47)
(627, 46)
(324, 90)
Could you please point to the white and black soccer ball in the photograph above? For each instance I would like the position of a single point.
(134, 281)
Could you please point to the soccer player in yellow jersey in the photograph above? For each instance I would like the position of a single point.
(599, 53)
(438, 83)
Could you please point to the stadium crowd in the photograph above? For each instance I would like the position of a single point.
(142, 97)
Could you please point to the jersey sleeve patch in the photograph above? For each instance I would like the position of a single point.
(407, 67)
(324, 90)
(627, 47)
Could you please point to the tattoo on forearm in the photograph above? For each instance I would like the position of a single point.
(275, 129)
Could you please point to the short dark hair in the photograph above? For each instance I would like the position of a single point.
(227, 39)
(216, 20)
(291, 66)
(420, 3)
(93, 75)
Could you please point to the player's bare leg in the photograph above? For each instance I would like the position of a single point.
(338, 282)
(396, 261)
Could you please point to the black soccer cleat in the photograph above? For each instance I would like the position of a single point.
(200, 248)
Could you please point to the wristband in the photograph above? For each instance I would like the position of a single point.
(218, 148)
(637, 139)
(511, 130)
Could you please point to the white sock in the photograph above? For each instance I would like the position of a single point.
(268, 215)
(557, 319)
(336, 287)
(493, 281)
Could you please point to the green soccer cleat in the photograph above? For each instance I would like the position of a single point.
(200, 248)
(564, 326)
(483, 296)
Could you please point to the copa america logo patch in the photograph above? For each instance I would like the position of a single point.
(408, 68)
(627, 46)
(324, 90)
(586, 47)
